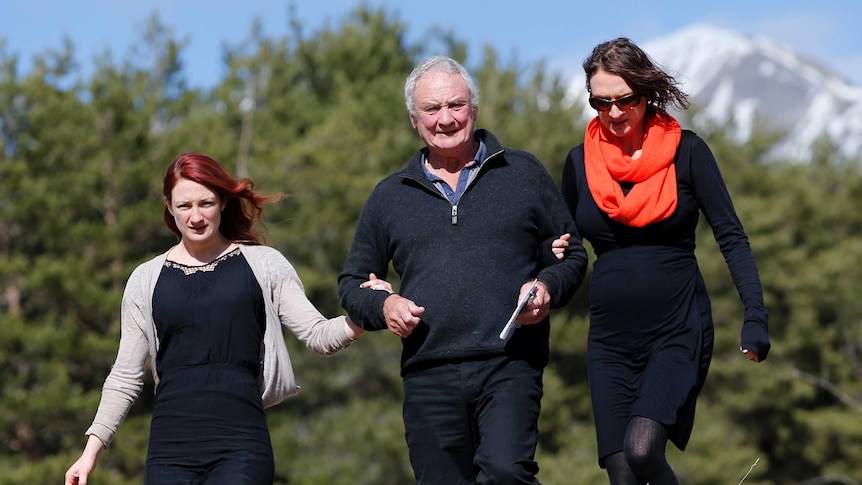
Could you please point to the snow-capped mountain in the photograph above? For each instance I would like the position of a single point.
(757, 82)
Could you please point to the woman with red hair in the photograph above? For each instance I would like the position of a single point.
(207, 316)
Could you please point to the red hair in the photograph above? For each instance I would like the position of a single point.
(243, 206)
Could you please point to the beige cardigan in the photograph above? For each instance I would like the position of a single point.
(286, 304)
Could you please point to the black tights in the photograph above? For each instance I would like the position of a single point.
(642, 460)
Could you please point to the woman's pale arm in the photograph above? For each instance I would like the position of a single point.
(80, 471)
(352, 330)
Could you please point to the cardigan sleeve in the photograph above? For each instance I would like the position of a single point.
(126, 379)
(323, 335)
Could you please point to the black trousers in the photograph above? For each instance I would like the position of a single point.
(473, 422)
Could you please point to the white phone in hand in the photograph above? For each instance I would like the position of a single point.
(511, 325)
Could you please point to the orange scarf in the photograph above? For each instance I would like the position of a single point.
(654, 195)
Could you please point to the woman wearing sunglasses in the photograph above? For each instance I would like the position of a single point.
(636, 187)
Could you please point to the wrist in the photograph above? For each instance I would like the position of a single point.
(352, 330)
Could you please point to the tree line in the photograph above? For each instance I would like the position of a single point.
(320, 116)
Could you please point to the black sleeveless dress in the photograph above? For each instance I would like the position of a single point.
(208, 424)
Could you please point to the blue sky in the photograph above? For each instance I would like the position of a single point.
(560, 32)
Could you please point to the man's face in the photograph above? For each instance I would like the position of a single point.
(444, 118)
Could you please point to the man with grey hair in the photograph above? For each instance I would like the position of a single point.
(464, 224)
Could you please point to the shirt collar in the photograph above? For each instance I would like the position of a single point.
(478, 159)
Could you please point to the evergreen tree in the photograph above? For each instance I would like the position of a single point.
(320, 116)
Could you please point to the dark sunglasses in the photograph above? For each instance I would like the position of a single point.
(602, 104)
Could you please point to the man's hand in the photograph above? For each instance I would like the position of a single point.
(536, 309)
(402, 314)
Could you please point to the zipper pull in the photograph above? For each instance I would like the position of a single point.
(454, 215)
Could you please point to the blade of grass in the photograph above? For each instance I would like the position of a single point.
(749, 471)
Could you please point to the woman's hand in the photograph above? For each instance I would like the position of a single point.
(80, 471)
(754, 341)
(375, 283)
(559, 246)
(751, 355)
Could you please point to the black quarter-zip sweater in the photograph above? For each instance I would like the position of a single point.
(464, 263)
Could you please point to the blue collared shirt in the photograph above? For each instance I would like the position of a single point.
(468, 173)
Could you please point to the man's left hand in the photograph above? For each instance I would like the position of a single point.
(536, 309)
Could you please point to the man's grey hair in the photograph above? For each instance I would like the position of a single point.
(438, 64)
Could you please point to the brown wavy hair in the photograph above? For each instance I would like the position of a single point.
(624, 58)
(243, 206)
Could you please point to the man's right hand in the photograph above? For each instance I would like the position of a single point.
(402, 314)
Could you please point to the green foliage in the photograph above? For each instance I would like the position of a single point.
(320, 117)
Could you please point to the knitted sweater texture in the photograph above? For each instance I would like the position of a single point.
(286, 304)
(464, 262)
